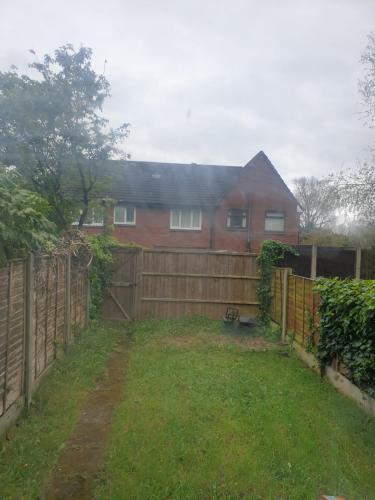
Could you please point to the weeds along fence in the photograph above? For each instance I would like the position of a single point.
(174, 283)
(42, 300)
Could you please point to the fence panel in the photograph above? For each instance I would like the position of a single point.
(277, 294)
(183, 283)
(12, 333)
(302, 305)
(41, 327)
(171, 283)
(78, 294)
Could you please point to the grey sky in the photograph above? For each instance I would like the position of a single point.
(216, 81)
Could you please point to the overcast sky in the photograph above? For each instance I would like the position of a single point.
(215, 81)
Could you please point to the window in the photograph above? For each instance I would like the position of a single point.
(186, 218)
(94, 217)
(274, 222)
(237, 219)
(124, 215)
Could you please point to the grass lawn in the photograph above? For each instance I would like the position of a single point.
(28, 456)
(204, 416)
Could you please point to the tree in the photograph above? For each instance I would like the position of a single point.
(367, 85)
(53, 131)
(356, 187)
(318, 201)
(24, 224)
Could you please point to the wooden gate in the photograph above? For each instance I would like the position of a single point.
(121, 300)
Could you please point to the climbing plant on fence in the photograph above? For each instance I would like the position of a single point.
(101, 269)
(270, 253)
(347, 328)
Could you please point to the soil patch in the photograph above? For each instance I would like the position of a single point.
(75, 474)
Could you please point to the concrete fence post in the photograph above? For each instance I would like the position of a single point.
(314, 261)
(29, 325)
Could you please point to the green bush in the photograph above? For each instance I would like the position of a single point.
(270, 253)
(24, 224)
(347, 328)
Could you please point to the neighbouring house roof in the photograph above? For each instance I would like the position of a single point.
(154, 183)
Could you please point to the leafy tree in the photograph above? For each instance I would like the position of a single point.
(356, 187)
(319, 202)
(367, 85)
(24, 224)
(53, 131)
(356, 190)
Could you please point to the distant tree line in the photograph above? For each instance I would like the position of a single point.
(340, 209)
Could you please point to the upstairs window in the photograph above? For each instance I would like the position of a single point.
(123, 214)
(186, 218)
(237, 219)
(274, 222)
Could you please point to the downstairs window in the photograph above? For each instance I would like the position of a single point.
(186, 218)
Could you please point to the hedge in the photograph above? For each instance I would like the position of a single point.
(347, 328)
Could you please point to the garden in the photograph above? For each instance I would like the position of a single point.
(205, 412)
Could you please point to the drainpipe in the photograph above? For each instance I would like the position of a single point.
(211, 222)
(249, 204)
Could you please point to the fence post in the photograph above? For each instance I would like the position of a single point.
(87, 298)
(29, 347)
(314, 259)
(138, 284)
(358, 258)
(284, 312)
(67, 329)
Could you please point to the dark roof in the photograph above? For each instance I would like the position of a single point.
(153, 183)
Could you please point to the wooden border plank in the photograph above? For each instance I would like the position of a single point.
(191, 275)
(198, 301)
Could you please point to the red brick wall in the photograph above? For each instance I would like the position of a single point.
(152, 230)
(260, 188)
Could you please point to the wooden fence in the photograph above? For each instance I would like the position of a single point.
(295, 305)
(295, 308)
(41, 299)
(169, 284)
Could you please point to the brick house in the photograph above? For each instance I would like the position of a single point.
(190, 206)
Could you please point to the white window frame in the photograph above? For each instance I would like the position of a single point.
(180, 227)
(90, 224)
(124, 222)
(274, 214)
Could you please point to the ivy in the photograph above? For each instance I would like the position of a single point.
(101, 269)
(270, 253)
(347, 328)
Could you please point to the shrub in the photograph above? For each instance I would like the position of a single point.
(347, 328)
(24, 224)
